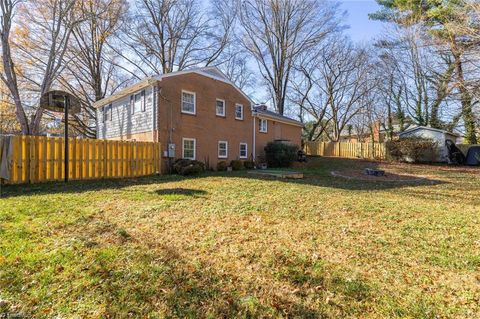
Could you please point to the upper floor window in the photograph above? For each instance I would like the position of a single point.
(243, 150)
(239, 112)
(107, 113)
(222, 149)
(188, 102)
(137, 102)
(263, 125)
(220, 107)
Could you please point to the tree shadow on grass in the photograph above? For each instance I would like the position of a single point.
(192, 289)
(148, 277)
(319, 172)
(316, 173)
(75, 186)
(180, 193)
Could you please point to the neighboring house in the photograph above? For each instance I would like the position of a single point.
(440, 136)
(196, 114)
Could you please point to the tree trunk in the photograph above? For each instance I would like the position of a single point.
(389, 122)
(465, 97)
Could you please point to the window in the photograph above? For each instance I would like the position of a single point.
(222, 149)
(138, 102)
(220, 107)
(188, 149)
(132, 104)
(243, 150)
(188, 102)
(107, 113)
(263, 125)
(239, 112)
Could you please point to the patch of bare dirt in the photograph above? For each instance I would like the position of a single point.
(358, 174)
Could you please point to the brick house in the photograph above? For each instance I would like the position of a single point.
(196, 114)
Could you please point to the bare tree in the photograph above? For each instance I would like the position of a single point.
(469, 26)
(8, 119)
(441, 21)
(307, 95)
(277, 33)
(91, 73)
(417, 80)
(9, 75)
(334, 87)
(163, 36)
(235, 66)
(41, 37)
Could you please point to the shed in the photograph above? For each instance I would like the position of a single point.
(440, 136)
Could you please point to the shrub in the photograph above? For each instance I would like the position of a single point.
(222, 166)
(188, 167)
(249, 164)
(412, 149)
(280, 154)
(236, 165)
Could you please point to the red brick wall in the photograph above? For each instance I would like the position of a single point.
(206, 127)
(276, 130)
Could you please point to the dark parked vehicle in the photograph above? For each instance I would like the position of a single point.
(473, 156)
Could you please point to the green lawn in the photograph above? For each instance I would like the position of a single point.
(238, 245)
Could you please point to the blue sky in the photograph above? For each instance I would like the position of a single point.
(361, 27)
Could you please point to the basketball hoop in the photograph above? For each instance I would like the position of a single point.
(57, 102)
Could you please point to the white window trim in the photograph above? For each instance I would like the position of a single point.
(240, 150)
(224, 108)
(266, 126)
(194, 148)
(194, 103)
(239, 118)
(226, 149)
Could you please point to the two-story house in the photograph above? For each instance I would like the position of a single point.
(196, 114)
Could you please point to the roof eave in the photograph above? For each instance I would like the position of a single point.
(428, 128)
(126, 91)
(277, 118)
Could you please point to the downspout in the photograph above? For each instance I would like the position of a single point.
(154, 113)
(254, 137)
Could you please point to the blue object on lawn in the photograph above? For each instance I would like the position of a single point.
(374, 172)
(473, 156)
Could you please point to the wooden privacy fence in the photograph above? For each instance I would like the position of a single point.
(348, 150)
(39, 159)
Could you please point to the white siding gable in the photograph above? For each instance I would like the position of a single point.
(123, 121)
